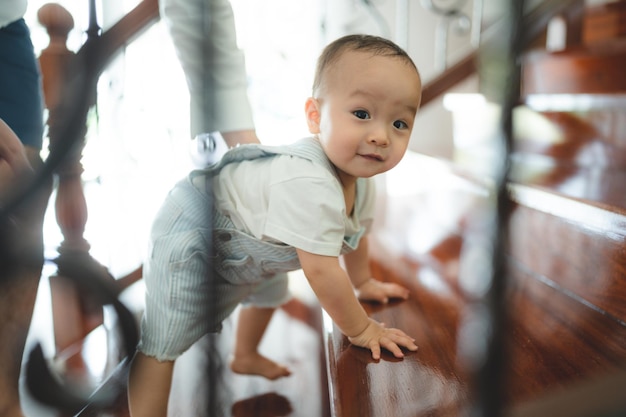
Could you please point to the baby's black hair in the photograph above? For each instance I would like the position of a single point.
(375, 45)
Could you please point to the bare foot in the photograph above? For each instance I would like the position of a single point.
(256, 364)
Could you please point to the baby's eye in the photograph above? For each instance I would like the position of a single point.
(361, 114)
(399, 124)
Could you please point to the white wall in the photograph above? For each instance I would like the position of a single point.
(291, 34)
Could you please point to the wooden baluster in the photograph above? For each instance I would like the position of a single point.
(74, 316)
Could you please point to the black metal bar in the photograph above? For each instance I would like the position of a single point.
(499, 70)
(93, 30)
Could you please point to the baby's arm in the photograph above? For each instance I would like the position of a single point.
(12, 151)
(368, 288)
(334, 291)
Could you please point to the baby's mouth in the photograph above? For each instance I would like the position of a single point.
(373, 157)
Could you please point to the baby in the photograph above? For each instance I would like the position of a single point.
(227, 235)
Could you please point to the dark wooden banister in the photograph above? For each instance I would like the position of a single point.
(131, 25)
(453, 75)
(74, 79)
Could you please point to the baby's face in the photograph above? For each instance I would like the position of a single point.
(365, 112)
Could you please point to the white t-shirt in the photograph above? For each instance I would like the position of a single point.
(292, 200)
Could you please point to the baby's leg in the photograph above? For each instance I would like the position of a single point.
(250, 329)
(149, 384)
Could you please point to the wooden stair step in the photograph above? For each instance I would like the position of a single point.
(564, 301)
(555, 340)
(423, 383)
(576, 245)
(597, 69)
(586, 138)
(596, 185)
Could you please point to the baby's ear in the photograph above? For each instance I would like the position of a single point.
(312, 112)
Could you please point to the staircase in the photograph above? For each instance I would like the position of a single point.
(565, 331)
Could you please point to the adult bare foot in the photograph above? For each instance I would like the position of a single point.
(256, 364)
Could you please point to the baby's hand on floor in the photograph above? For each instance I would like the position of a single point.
(376, 335)
(374, 290)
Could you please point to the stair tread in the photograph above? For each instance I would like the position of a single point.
(594, 185)
(587, 69)
(556, 343)
(599, 211)
(444, 208)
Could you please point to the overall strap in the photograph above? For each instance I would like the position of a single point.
(307, 148)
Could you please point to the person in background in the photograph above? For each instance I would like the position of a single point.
(204, 37)
(228, 234)
(21, 109)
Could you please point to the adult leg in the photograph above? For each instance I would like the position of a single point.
(149, 384)
(21, 257)
(246, 359)
(17, 299)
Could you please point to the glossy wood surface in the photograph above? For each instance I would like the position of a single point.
(565, 302)
(586, 261)
(576, 70)
(426, 382)
(578, 153)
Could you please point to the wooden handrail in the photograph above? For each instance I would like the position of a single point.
(111, 42)
(453, 75)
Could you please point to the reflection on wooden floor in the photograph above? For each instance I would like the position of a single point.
(291, 340)
(565, 329)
